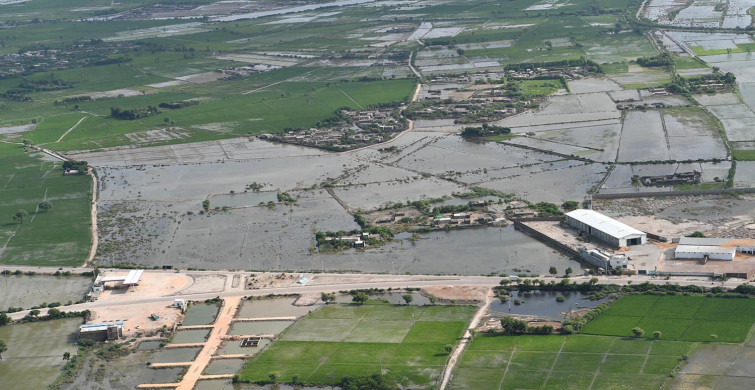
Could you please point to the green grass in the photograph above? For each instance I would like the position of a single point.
(744, 155)
(688, 318)
(566, 362)
(60, 237)
(406, 342)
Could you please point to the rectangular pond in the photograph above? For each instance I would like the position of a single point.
(543, 304)
(224, 366)
(175, 355)
(190, 336)
(200, 314)
(233, 347)
(259, 327)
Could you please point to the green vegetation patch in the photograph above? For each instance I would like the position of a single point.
(689, 318)
(566, 362)
(406, 342)
(60, 236)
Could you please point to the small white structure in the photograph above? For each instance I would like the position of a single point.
(605, 228)
(130, 280)
(703, 251)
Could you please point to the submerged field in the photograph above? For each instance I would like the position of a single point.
(58, 237)
(405, 342)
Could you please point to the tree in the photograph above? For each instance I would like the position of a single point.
(449, 348)
(657, 334)
(3, 348)
(360, 297)
(568, 271)
(553, 271)
(570, 205)
(20, 215)
(328, 297)
(45, 206)
(697, 234)
(66, 356)
(274, 376)
(512, 325)
(408, 298)
(637, 331)
(4, 319)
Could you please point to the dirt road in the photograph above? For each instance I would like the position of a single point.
(222, 325)
(465, 340)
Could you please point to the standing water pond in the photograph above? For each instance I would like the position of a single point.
(201, 314)
(35, 352)
(543, 304)
(258, 327)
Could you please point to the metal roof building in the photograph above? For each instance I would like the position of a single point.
(605, 228)
(703, 251)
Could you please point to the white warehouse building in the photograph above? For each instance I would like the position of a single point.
(703, 251)
(713, 248)
(605, 228)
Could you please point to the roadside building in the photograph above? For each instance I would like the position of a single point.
(605, 228)
(106, 331)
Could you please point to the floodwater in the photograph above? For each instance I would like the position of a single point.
(35, 352)
(277, 307)
(245, 199)
(224, 366)
(27, 291)
(190, 336)
(259, 327)
(149, 345)
(464, 252)
(232, 347)
(175, 355)
(543, 304)
(200, 314)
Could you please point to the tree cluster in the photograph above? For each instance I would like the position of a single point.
(133, 113)
(486, 130)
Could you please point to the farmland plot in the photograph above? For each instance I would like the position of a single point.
(693, 135)
(643, 138)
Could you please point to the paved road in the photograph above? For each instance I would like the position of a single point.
(369, 281)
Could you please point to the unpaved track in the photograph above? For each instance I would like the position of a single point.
(222, 325)
(466, 339)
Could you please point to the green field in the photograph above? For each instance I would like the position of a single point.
(686, 318)
(60, 237)
(566, 362)
(405, 342)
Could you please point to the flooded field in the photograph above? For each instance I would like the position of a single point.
(229, 385)
(200, 314)
(190, 336)
(258, 327)
(224, 366)
(543, 304)
(175, 355)
(641, 138)
(27, 291)
(277, 307)
(35, 351)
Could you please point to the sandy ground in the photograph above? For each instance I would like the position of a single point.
(137, 317)
(204, 284)
(460, 294)
(151, 285)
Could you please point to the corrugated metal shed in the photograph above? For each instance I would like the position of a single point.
(604, 223)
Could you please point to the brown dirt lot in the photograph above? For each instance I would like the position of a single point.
(459, 294)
